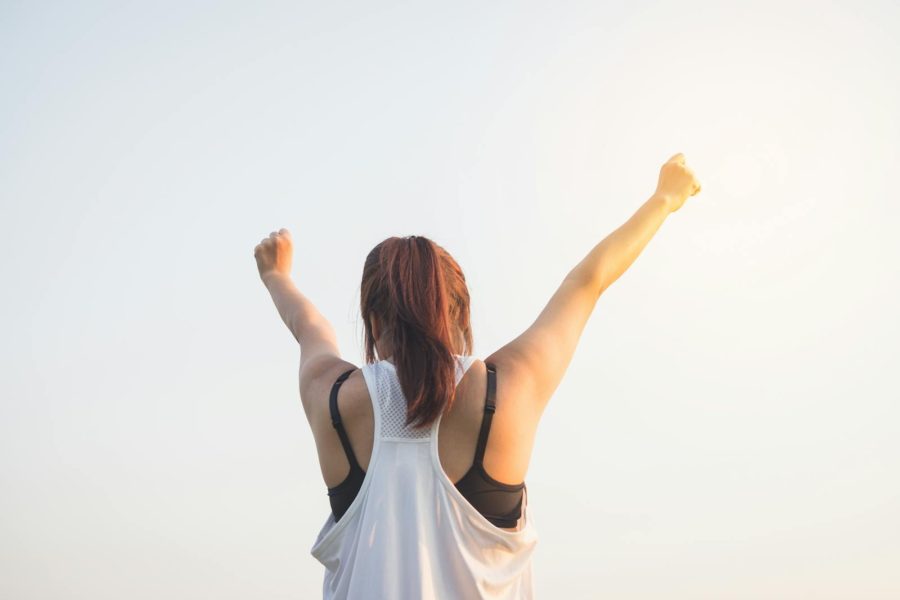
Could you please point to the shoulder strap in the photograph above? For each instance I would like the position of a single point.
(489, 407)
(336, 419)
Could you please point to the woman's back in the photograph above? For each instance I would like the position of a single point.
(409, 532)
(509, 443)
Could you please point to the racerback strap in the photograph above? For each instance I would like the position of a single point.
(336, 420)
(489, 407)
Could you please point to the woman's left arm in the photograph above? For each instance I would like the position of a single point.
(309, 327)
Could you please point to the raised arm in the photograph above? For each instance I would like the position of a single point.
(274, 257)
(536, 360)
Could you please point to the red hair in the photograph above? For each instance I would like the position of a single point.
(418, 294)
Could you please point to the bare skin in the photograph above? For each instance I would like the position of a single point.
(457, 435)
(529, 368)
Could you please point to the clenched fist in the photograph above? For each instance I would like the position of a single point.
(274, 254)
(676, 182)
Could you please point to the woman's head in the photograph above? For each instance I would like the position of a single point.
(415, 306)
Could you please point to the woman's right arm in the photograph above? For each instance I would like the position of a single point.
(610, 258)
(538, 358)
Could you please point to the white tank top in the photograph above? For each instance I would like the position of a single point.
(410, 533)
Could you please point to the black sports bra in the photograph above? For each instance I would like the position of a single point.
(500, 503)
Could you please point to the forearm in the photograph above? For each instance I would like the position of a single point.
(296, 310)
(612, 257)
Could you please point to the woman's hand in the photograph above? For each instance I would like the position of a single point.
(676, 182)
(274, 255)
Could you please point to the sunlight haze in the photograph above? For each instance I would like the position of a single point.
(728, 427)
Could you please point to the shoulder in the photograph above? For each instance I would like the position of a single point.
(515, 389)
(508, 393)
(317, 378)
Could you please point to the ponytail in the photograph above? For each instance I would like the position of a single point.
(419, 296)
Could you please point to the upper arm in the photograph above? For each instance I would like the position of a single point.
(537, 359)
(320, 365)
(317, 377)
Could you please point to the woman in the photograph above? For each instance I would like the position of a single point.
(424, 449)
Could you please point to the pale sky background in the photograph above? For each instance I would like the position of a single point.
(728, 427)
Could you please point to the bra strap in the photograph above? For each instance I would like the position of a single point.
(336, 420)
(489, 407)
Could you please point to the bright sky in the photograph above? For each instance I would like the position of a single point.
(728, 427)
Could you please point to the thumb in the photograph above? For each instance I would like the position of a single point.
(679, 158)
